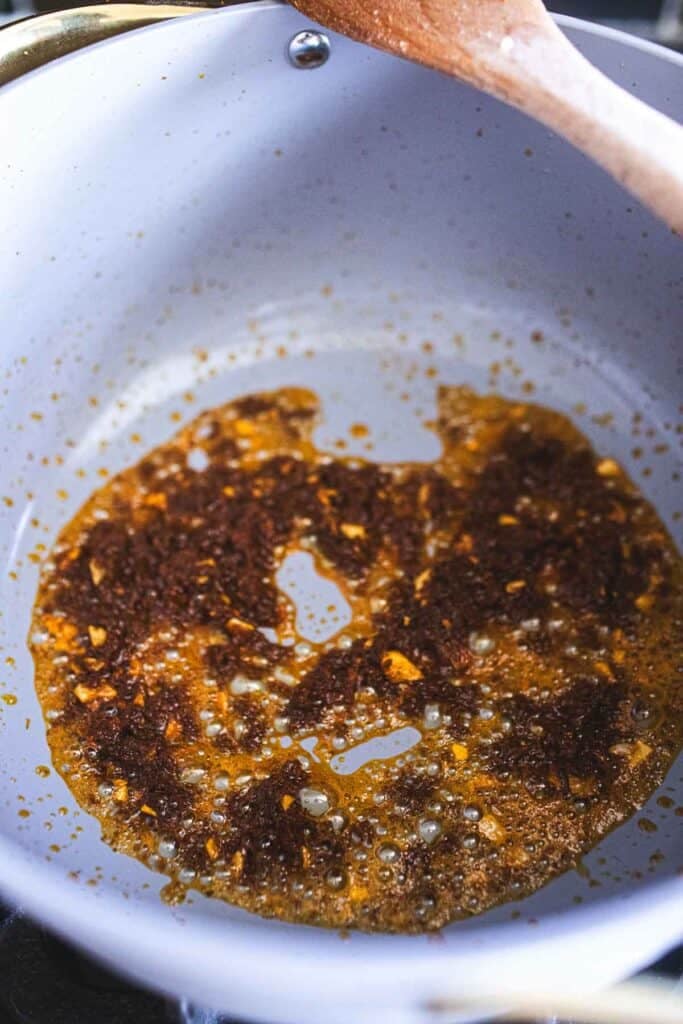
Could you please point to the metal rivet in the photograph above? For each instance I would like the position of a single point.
(308, 50)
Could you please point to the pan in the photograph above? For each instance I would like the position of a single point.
(191, 214)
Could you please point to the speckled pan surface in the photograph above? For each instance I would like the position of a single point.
(216, 223)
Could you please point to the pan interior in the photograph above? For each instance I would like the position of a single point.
(391, 389)
(266, 260)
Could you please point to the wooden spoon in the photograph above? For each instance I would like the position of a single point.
(513, 50)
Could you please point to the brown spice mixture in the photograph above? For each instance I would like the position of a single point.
(518, 602)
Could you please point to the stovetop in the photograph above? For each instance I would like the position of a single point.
(45, 981)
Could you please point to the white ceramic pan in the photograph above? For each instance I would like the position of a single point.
(176, 204)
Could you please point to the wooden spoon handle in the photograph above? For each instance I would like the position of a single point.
(513, 49)
(641, 1001)
(541, 73)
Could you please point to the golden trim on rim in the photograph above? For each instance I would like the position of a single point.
(29, 44)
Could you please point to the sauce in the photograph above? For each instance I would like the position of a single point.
(504, 694)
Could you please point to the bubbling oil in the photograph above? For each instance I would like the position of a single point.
(486, 688)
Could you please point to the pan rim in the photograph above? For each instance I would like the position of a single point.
(565, 21)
